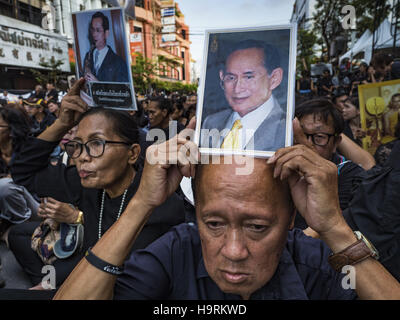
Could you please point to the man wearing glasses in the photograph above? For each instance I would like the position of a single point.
(322, 123)
(255, 120)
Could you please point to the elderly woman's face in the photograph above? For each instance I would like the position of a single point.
(108, 170)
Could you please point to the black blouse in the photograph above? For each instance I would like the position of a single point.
(31, 169)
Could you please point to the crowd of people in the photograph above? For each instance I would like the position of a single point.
(78, 191)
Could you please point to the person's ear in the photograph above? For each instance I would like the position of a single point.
(221, 77)
(134, 152)
(276, 77)
(164, 112)
(106, 34)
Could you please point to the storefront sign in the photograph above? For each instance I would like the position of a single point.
(24, 48)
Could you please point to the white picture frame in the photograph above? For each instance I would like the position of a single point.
(212, 95)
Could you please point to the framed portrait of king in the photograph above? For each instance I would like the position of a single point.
(246, 93)
(102, 58)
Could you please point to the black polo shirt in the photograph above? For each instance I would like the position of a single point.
(172, 267)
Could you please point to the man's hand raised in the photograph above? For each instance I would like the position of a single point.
(166, 163)
(312, 180)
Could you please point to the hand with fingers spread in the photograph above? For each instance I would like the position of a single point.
(72, 106)
(312, 180)
(59, 211)
(166, 164)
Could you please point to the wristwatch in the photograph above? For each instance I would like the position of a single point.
(357, 252)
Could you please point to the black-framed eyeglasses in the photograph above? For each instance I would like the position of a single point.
(320, 139)
(4, 126)
(94, 148)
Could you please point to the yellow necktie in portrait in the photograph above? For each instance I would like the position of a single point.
(231, 141)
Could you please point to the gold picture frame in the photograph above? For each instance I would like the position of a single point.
(377, 118)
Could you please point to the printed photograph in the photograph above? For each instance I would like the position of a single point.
(247, 91)
(102, 58)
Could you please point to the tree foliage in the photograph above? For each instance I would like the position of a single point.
(51, 74)
(328, 19)
(305, 49)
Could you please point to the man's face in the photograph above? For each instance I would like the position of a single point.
(340, 102)
(99, 35)
(243, 223)
(155, 114)
(315, 124)
(246, 82)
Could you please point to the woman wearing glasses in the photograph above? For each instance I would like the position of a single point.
(105, 176)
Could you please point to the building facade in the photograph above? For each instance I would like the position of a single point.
(26, 43)
(35, 30)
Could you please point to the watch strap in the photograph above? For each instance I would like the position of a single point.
(352, 255)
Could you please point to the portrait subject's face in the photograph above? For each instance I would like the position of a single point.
(246, 82)
(98, 33)
(243, 223)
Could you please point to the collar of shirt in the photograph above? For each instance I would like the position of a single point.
(102, 54)
(251, 121)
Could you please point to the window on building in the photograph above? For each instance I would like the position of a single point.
(7, 8)
(137, 29)
(184, 34)
(29, 14)
(140, 3)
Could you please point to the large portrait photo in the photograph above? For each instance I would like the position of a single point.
(102, 58)
(379, 113)
(246, 94)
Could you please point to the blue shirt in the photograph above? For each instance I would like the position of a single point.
(172, 267)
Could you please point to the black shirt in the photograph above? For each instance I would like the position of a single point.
(30, 169)
(38, 127)
(172, 267)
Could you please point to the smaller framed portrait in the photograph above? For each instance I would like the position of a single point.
(102, 58)
(246, 94)
(379, 112)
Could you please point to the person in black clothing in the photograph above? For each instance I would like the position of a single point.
(323, 123)
(38, 93)
(383, 152)
(41, 117)
(351, 116)
(305, 85)
(16, 203)
(51, 93)
(359, 77)
(100, 185)
(159, 111)
(325, 86)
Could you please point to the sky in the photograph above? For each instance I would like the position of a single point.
(201, 15)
